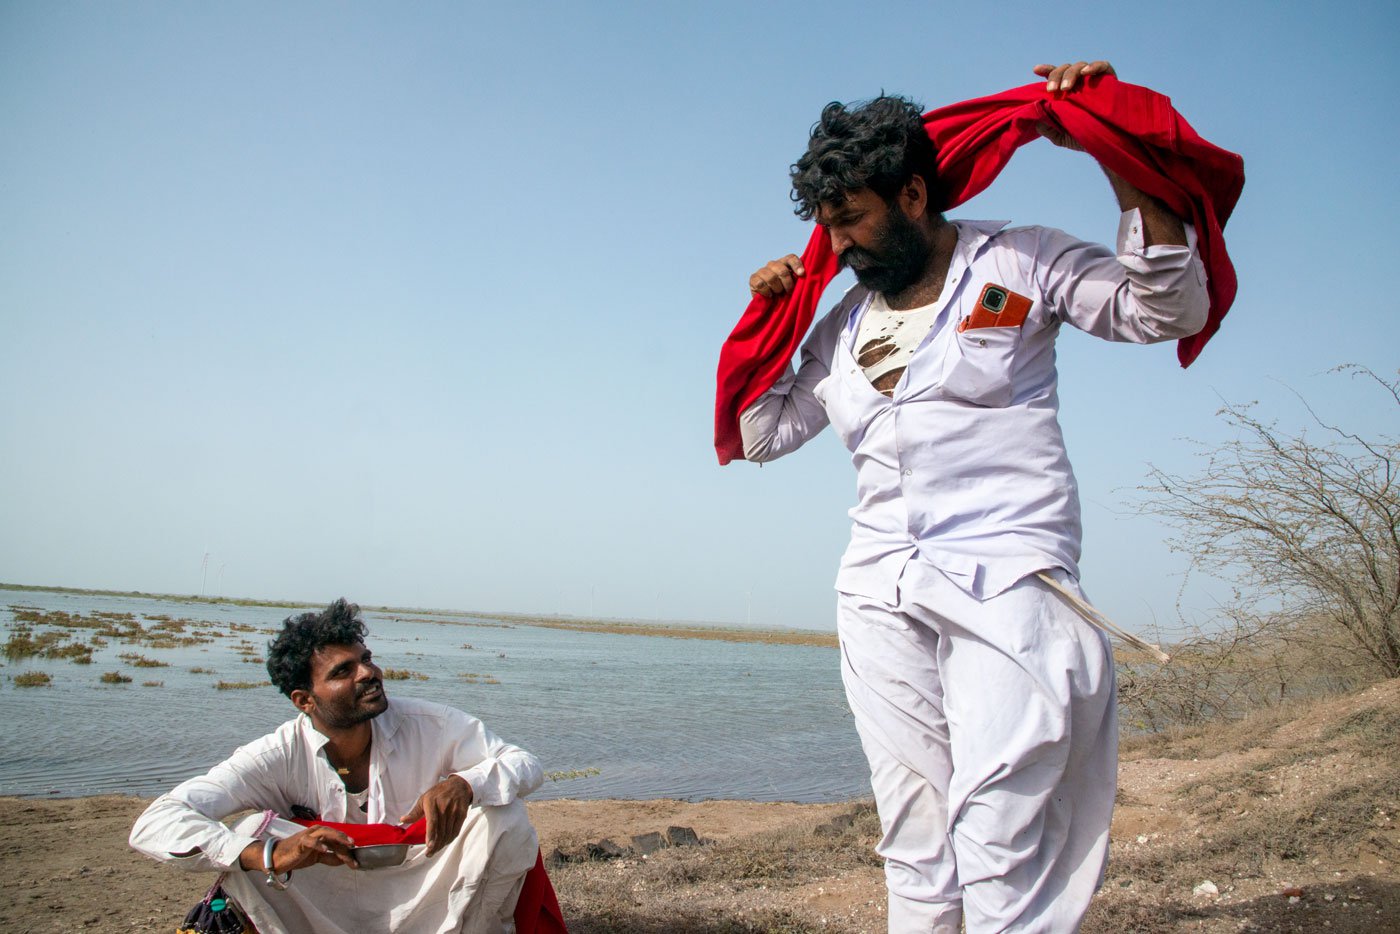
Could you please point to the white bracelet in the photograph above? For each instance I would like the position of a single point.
(272, 880)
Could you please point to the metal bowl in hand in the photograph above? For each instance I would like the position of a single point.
(380, 856)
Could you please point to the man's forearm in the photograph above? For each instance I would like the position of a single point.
(251, 859)
(1159, 225)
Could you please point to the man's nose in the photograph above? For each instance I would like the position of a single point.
(839, 241)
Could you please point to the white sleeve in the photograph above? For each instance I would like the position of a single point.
(183, 827)
(1142, 295)
(783, 419)
(497, 772)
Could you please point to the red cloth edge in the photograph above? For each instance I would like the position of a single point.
(537, 909)
(1130, 129)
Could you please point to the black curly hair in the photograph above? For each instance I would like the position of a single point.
(289, 655)
(879, 145)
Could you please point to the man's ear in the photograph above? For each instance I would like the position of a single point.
(913, 198)
(304, 701)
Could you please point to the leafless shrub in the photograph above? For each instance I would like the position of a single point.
(1308, 529)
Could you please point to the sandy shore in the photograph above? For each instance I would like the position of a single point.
(1286, 821)
(66, 864)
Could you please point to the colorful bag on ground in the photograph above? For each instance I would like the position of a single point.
(216, 914)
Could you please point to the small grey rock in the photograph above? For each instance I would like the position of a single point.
(647, 843)
(605, 849)
(682, 836)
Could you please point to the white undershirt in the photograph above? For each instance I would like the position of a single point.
(886, 339)
(357, 803)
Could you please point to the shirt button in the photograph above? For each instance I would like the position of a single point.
(981, 342)
(908, 472)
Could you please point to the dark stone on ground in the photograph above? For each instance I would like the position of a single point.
(558, 857)
(682, 836)
(605, 849)
(834, 826)
(647, 843)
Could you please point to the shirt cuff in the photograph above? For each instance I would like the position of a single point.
(478, 778)
(228, 851)
(1130, 232)
(1130, 236)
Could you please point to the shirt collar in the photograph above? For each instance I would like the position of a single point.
(315, 740)
(386, 726)
(973, 235)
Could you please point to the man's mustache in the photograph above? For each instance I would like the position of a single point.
(857, 258)
(362, 691)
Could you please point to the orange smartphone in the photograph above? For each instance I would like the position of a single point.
(997, 307)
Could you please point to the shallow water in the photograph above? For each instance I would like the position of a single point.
(657, 717)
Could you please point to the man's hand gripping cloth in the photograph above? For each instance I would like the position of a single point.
(1130, 130)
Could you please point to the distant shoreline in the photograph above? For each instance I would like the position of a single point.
(576, 624)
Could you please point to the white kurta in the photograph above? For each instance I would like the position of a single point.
(984, 704)
(416, 744)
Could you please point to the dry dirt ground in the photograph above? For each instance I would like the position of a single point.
(1291, 817)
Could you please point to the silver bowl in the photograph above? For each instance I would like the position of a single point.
(381, 856)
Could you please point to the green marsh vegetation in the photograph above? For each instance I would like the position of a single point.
(241, 685)
(403, 674)
(33, 679)
(36, 631)
(141, 661)
(153, 684)
(114, 677)
(567, 774)
(25, 642)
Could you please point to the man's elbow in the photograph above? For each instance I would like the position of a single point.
(1189, 320)
(1177, 314)
(760, 450)
(144, 840)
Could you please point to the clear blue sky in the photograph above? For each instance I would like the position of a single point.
(420, 303)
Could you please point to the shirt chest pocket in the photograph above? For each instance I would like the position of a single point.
(979, 365)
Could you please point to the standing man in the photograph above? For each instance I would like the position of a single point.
(983, 700)
(352, 757)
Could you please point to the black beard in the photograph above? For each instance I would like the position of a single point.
(344, 716)
(896, 261)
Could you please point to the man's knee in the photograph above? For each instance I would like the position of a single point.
(512, 837)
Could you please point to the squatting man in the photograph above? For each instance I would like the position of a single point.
(984, 702)
(352, 756)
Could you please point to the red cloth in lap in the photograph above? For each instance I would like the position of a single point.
(537, 908)
(375, 834)
(1133, 131)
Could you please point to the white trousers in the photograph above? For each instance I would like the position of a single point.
(991, 731)
(468, 886)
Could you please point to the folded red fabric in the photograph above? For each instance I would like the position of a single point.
(537, 908)
(1132, 130)
(375, 834)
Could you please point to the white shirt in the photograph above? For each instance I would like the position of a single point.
(416, 745)
(965, 466)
